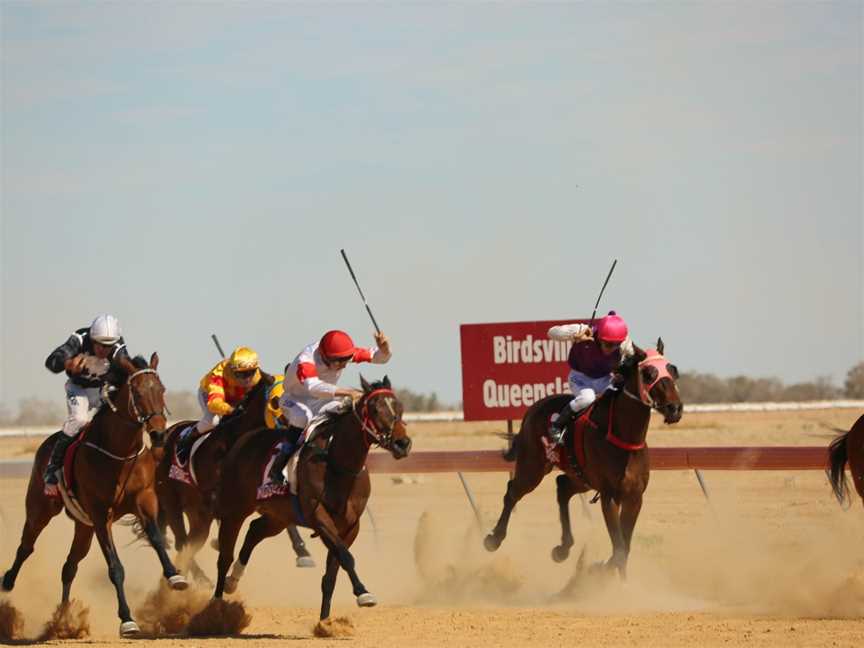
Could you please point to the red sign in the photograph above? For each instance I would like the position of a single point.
(506, 367)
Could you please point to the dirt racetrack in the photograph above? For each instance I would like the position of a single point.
(771, 561)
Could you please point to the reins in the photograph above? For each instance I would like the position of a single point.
(139, 421)
(368, 425)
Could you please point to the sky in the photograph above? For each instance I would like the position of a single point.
(195, 168)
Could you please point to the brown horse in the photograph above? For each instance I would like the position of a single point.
(847, 448)
(196, 500)
(615, 460)
(113, 475)
(333, 488)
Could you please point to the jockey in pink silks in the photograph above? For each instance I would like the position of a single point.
(595, 356)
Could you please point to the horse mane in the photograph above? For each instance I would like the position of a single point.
(117, 376)
(139, 362)
(379, 384)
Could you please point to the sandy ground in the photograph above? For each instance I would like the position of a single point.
(772, 560)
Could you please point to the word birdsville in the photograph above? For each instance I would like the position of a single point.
(506, 350)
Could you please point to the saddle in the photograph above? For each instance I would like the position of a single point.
(66, 483)
(571, 456)
(69, 458)
(185, 472)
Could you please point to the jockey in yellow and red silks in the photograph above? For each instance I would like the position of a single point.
(219, 393)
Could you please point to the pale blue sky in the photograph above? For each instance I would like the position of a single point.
(195, 168)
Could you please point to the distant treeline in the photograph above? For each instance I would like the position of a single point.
(708, 388)
(694, 388)
(181, 404)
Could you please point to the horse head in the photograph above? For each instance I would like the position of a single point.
(650, 378)
(145, 400)
(380, 414)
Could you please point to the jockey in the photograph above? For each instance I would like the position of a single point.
(596, 354)
(86, 357)
(310, 384)
(219, 393)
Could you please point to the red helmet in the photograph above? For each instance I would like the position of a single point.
(336, 345)
(611, 329)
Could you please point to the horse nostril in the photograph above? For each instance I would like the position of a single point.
(404, 444)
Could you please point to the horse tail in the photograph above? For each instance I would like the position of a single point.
(836, 472)
(135, 527)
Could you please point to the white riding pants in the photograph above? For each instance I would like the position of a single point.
(586, 390)
(300, 414)
(209, 420)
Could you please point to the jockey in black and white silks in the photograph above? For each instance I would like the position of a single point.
(86, 358)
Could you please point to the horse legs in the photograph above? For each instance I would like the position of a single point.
(229, 529)
(79, 549)
(147, 513)
(199, 528)
(612, 516)
(523, 482)
(303, 557)
(40, 510)
(259, 529)
(565, 490)
(328, 581)
(630, 508)
(101, 527)
(326, 528)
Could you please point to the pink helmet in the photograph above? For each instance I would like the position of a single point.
(611, 329)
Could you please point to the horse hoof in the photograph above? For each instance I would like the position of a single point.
(491, 542)
(560, 553)
(367, 600)
(178, 582)
(231, 584)
(129, 629)
(305, 561)
(8, 583)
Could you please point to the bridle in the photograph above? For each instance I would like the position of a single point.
(372, 433)
(132, 406)
(659, 362)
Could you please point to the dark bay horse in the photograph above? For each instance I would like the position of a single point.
(847, 448)
(113, 475)
(196, 500)
(615, 455)
(333, 488)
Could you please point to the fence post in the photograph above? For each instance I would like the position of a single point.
(510, 439)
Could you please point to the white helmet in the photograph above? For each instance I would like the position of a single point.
(105, 329)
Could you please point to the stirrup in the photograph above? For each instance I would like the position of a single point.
(557, 435)
(275, 476)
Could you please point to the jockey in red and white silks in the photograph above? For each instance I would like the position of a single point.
(310, 384)
(596, 354)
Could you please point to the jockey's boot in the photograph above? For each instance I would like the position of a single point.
(56, 461)
(275, 475)
(559, 426)
(184, 444)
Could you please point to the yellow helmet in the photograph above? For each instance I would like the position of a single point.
(243, 359)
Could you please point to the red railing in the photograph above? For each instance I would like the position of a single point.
(708, 458)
